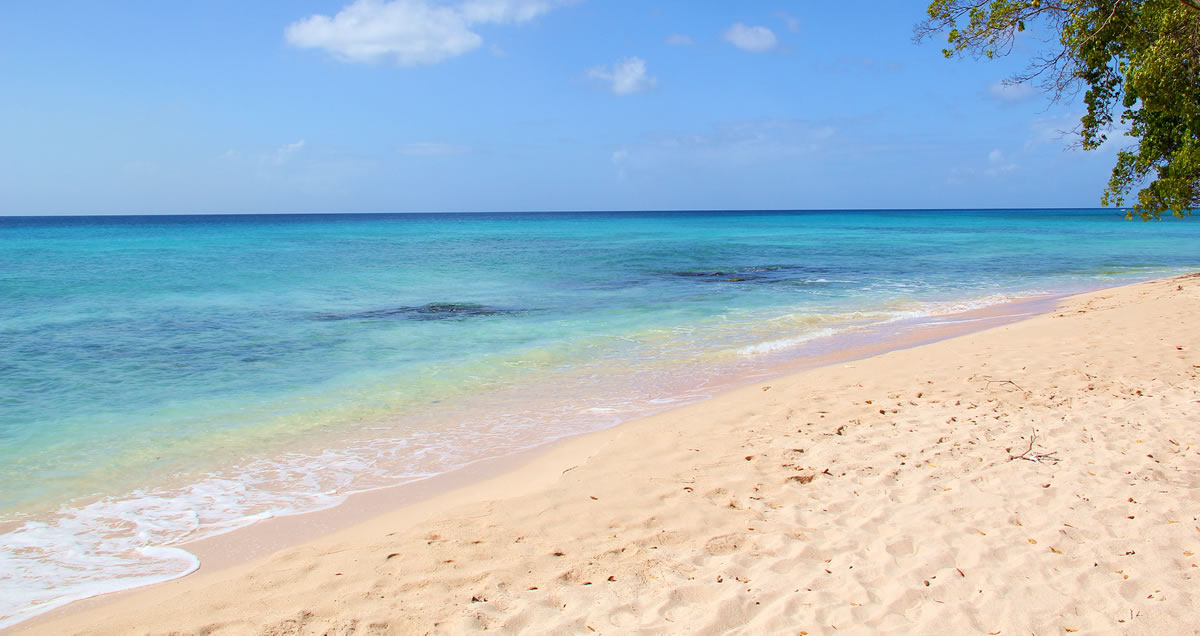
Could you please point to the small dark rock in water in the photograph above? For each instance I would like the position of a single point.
(728, 277)
(759, 273)
(435, 311)
(431, 311)
(765, 274)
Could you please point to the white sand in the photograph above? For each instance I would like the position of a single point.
(879, 495)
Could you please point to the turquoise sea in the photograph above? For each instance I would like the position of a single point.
(172, 377)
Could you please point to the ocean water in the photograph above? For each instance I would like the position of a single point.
(164, 379)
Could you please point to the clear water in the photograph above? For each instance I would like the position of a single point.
(167, 378)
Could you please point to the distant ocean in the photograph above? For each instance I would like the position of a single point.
(169, 378)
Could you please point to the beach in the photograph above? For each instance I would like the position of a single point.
(1040, 476)
(165, 380)
(553, 316)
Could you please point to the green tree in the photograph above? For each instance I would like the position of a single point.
(1138, 62)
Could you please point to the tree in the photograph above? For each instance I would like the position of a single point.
(1139, 61)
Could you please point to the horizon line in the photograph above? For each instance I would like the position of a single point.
(593, 211)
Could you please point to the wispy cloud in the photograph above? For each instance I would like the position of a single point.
(283, 153)
(276, 157)
(852, 64)
(625, 77)
(299, 168)
(1063, 130)
(678, 39)
(755, 39)
(1056, 129)
(409, 32)
(791, 22)
(432, 149)
(507, 11)
(1007, 92)
(995, 164)
(618, 159)
(729, 145)
(999, 162)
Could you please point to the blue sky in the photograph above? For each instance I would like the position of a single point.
(482, 105)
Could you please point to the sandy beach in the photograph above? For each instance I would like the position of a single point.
(1037, 477)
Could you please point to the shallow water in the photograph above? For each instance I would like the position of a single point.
(165, 378)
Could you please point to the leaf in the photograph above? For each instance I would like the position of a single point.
(1136, 64)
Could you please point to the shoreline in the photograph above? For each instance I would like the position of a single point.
(237, 546)
(233, 554)
(241, 544)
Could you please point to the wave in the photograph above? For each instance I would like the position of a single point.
(771, 346)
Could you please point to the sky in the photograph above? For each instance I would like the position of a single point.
(312, 106)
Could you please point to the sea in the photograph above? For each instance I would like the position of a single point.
(169, 378)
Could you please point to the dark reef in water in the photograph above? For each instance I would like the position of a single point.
(431, 311)
(729, 277)
(763, 273)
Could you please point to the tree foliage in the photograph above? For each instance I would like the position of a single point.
(1138, 62)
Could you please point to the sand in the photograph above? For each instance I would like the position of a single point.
(1038, 477)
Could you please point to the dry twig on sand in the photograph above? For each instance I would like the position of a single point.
(1030, 455)
(991, 381)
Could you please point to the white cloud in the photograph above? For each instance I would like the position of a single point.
(755, 39)
(678, 39)
(408, 32)
(1010, 92)
(432, 149)
(625, 77)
